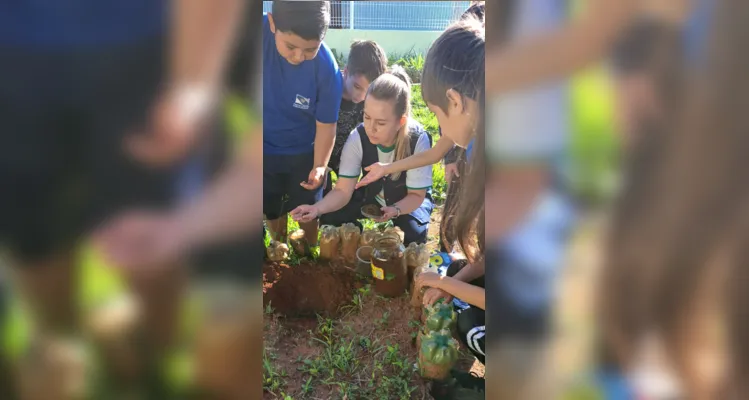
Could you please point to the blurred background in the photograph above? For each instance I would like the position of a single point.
(615, 219)
(80, 293)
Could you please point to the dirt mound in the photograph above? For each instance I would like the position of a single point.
(307, 289)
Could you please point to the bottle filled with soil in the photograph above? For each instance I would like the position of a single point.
(417, 258)
(350, 234)
(389, 267)
(277, 251)
(438, 353)
(367, 241)
(299, 243)
(394, 231)
(330, 240)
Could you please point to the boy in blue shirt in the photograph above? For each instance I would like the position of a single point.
(302, 90)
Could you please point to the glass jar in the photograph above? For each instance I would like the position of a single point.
(389, 267)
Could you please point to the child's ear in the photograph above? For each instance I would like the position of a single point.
(455, 101)
(404, 119)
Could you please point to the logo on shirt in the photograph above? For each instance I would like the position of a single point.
(301, 102)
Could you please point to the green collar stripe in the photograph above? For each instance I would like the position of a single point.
(385, 149)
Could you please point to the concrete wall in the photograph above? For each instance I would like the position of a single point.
(394, 42)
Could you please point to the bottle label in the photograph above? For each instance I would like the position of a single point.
(378, 273)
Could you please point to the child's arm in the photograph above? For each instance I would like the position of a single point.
(456, 286)
(324, 141)
(333, 201)
(432, 156)
(470, 272)
(471, 294)
(202, 35)
(559, 52)
(350, 169)
(329, 92)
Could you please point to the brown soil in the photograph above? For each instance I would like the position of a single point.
(371, 210)
(307, 289)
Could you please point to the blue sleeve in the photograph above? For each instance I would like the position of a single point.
(329, 87)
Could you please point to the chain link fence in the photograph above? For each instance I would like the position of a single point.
(392, 15)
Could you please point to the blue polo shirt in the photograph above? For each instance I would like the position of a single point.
(295, 97)
(72, 24)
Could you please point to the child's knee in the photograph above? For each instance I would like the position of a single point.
(456, 266)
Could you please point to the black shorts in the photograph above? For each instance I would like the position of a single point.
(282, 191)
(63, 119)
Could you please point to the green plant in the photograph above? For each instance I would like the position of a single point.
(272, 380)
(359, 295)
(415, 325)
(339, 58)
(307, 387)
(372, 225)
(384, 319)
(439, 183)
(412, 63)
(421, 113)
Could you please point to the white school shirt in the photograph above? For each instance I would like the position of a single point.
(351, 161)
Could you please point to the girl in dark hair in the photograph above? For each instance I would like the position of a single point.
(453, 88)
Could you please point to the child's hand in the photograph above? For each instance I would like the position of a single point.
(315, 179)
(140, 240)
(451, 172)
(432, 295)
(305, 213)
(172, 132)
(429, 279)
(375, 172)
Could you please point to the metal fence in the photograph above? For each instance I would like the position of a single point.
(392, 15)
